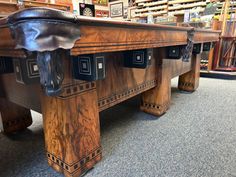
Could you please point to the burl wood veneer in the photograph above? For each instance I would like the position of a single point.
(71, 118)
(156, 101)
(190, 81)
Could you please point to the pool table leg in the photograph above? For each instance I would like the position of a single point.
(157, 100)
(13, 117)
(72, 131)
(190, 81)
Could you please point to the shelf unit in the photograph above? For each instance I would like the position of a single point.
(178, 7)
(29, 4)
(164, 7)
(9, 6)
(220, 4)
(153, 7)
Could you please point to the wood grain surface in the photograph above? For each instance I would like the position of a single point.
(72, 132)
(119, 85)
(71, 120)
(190, 81)
(27, 96)
(202, 35)
(177, 67)
(13, 117)
(122, 83)
(156, 101)
(99, 36)
(97, 39)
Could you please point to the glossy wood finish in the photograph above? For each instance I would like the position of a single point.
(13, 117)
(71, 126)
(201, 35)
(122, 83)
(96, 36)
(72, 132)
(190, 81)
(123, 38)
(7, 44)
(177, 67)
(26, 95)
(71, 119)
(156, 101)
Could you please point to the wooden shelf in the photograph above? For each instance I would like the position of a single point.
(232, 7)
(181, 12)
(7, 7)
(162, 7)
(187, 6)
(157, 2)
(153, 7)
(148, 4)
(43, 4)
(228, 37)
(9, 3)
(181, 1)
(155, 14)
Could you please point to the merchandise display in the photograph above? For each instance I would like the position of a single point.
(87, 10)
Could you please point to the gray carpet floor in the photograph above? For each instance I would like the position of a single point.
(196, 137)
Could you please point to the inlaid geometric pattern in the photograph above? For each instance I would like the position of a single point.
(153, 106)
(197, 48)
(119, 97)
(158, 109)
(75, 89)
(186, 84)
(85, 66)
(32, 68)
(207, 46)
(80, 165)
(138, 57)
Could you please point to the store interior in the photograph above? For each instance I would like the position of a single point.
(195, 133)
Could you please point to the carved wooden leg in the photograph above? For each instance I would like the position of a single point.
(13, 117)
(157, 100)
(190, 80)
(72, 130)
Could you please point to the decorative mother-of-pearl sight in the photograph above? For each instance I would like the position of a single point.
(138, 58)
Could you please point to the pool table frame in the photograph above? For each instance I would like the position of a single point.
(71, 119)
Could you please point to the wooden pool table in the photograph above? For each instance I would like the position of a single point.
(70, 68)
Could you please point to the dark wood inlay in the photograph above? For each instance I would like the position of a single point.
(121, 96)
(76, 89)
(72, 168)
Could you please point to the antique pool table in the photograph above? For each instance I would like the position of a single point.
(70, 68)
